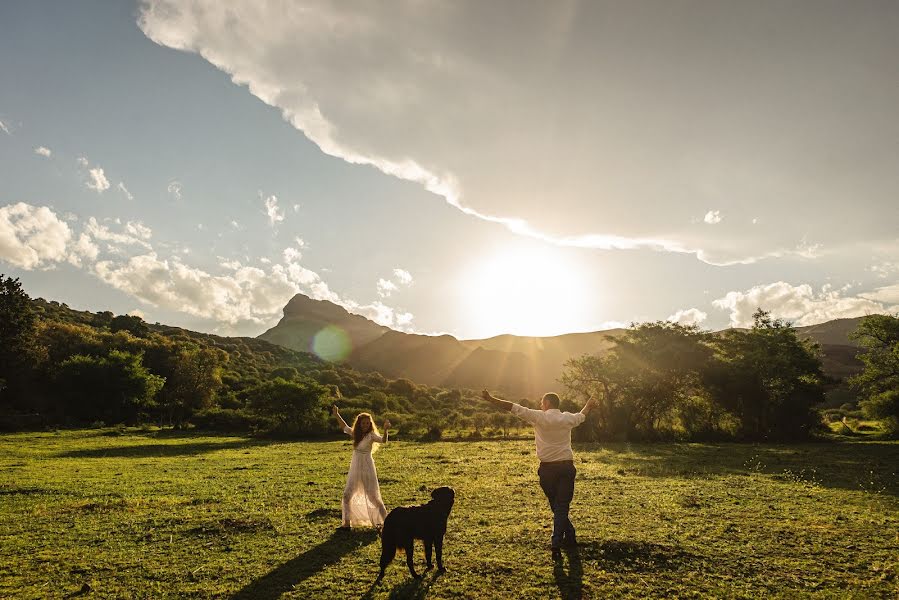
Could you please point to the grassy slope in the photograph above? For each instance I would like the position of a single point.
(161, 514)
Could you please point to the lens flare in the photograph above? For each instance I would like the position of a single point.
(332, 344)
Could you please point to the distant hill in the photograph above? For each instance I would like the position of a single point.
(518, 366)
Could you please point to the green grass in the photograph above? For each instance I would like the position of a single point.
(163, 514)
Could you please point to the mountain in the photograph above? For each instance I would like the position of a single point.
(518, 366)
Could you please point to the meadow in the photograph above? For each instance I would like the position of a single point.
(159, 513)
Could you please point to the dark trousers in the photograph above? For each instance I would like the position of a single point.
(557, 481)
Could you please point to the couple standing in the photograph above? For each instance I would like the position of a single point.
(362, 504)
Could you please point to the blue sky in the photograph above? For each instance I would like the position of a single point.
(452, 167)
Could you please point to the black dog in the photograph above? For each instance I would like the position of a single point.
(427, 523)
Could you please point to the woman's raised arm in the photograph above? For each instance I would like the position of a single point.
(336, 413)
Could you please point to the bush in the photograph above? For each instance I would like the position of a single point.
(227, 419)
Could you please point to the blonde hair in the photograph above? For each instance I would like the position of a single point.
(359, 435)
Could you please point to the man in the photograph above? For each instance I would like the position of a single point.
(552, 430)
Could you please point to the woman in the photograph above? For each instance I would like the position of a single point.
(362, 504)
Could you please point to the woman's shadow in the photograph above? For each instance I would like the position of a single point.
(287, 576)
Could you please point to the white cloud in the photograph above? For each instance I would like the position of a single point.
(385, 287)
(136, 312)
(884, 269)
(713, 217)
(296, 208)
(121, 187)
(82, 160)
(403, 276)
(43, 151)
(84, 248)
(291, 255)
(799, 304)
(275, 214)
(98, 181)
(32, 237)
(549, 103)
(175, 190)
(689, 316)
(136, 233)
(4, 128)
(888, 295)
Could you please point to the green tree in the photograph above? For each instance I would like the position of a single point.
(768, 378)
(18, 350)
(130, 323)
(643, 381)
(297, 406)
(878, 383)
(116, 388)
(194, 376)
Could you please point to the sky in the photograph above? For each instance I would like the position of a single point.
(472, 168)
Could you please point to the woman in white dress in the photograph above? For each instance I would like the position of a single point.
(362, 504)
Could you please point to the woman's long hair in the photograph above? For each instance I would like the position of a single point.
(358, 434)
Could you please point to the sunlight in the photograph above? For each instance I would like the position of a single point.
(525, 291)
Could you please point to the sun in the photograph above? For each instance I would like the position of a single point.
(531, 291)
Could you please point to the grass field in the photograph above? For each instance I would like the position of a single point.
(104, 513)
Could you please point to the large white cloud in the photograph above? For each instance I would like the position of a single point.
(621, 118)
(800, 304)
(689, 316)
(32, 237)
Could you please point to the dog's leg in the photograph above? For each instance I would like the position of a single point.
(410, 548)
(429, 544)
(438, 545)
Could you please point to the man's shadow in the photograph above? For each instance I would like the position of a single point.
(570, 584)
(287, 576)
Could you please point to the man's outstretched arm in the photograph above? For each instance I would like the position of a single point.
(591, 402)
(503, 404)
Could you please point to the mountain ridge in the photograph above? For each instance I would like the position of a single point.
(517, 365)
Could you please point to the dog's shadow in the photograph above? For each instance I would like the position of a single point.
(288, 575)
(410, 589)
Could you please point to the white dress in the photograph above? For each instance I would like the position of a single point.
(362, 504)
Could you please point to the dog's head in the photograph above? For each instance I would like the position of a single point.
(444, 497)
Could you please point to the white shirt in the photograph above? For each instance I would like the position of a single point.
(552, 431)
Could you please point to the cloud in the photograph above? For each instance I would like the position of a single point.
(275, 214)
(403, 276)
(549, 104)
(385, 287)
(888, 295)
(799, 304)
(713, 217)
(84, 248)
(136, 233)
(121, 187)
(43, 151)
(174, 189)
(4, 128)
(32, 237)
(690, 316)
(98, 181)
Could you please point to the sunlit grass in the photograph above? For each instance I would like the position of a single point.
(161, 514)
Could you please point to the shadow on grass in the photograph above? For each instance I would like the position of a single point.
(570, 584)
(411, 589)
(186, 448)
(286, 577)
(867, 466)
(634, 556)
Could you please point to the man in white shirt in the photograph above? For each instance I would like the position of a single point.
(552, 430)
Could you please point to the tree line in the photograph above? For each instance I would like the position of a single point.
(62, 367)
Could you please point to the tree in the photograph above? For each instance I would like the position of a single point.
(116, 388)
(641, 383)
(194, 376)
(297, 406)
(878, 383)
(18, 350)
(768, 378)
(130, 323)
